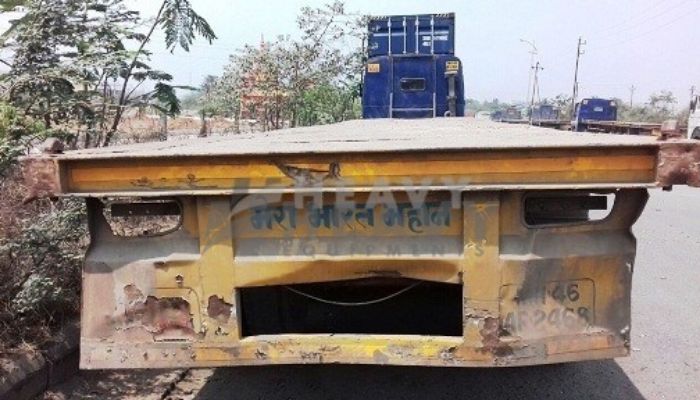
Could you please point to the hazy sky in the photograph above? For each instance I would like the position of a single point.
(651, 44)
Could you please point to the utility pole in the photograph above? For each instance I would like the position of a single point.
(535, 86)
(579, 53)
(693, 101)
(533, 53)
(632, 89)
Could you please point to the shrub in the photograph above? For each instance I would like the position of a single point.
(41, 244)
(40, 271)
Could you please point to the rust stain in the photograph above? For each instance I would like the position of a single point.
(41, 178)
(134, 307)
(143, 182)
(218, 309)
(491, 338)
(166, 314)
(157, 315)
(311, 356)
(309, 176)
(261, 354)
(678, 164)
(448, 355)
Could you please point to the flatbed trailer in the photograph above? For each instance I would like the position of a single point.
(624, 127)
(450, 242)
(515, 121)
(555, 124)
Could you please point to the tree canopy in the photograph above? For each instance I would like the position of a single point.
(78, 65)
(310, 80)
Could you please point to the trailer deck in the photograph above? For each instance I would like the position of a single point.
(482, 154)
(447, 242)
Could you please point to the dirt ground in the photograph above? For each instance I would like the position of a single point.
(144, 128)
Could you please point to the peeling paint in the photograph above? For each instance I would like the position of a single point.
(380, 357)
(157, 316)
(491, 338)
(218, 309)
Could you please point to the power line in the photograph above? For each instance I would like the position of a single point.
(655, 30)
(643, 21)
(632, 19)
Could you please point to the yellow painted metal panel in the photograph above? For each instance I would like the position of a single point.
(600, 166)
(508, 271)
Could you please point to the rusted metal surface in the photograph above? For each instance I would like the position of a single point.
(41, 178)
(679, 164)
(536, 281)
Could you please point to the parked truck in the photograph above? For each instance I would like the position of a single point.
(511, 115)
(441, 242)
(544, 113)
(412, 71)
(589, 112)
(600, 115)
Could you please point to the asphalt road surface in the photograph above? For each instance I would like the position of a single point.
(665, 361)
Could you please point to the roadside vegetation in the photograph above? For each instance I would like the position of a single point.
(309, 79)
(70, 67)
(78, 70)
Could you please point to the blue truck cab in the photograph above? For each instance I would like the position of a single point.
(593, 110)
(412, 71)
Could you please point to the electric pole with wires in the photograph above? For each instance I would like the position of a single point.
(535, 87)
(632, 90)
(574, 95)
(533, 54)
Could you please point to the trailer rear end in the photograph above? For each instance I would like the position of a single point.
(445, 242)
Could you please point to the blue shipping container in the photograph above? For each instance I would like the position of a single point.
(413, 87)
(544, 112)
(411, 34)
(590, 110)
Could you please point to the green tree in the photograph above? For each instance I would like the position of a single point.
(325, 104)
(207, 102)
(43, 72)
(659, 108)
(72, 66)
(16, 132)
(662, 104)
(291, 79)
(181, 25)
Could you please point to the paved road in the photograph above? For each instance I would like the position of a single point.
(665, 362)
